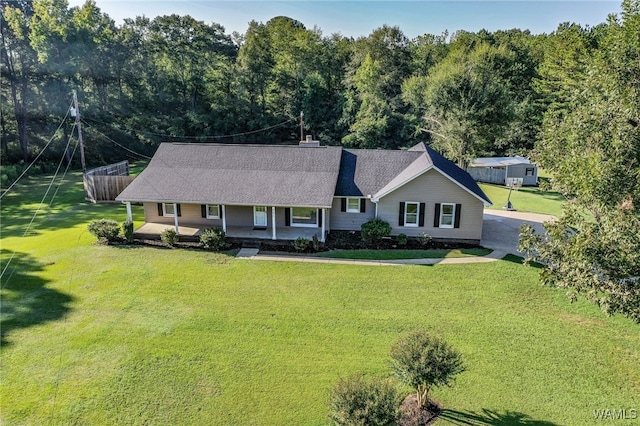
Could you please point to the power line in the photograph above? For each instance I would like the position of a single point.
(116, 143)
(206, 137)
(38, 156)
(39, 206)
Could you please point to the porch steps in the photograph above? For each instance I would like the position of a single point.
(247, 252)
(251, 244)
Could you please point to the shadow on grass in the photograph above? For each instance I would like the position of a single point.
(25, 299)
(491, 417)
(68, 208)
(520, 261)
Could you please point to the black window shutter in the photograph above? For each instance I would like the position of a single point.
(160, 210)
(436, 216)
(421, 216)
(178, 210)
(287, 216)
(401, 215)
(320, 214)
(220, 211)
(203, 210)
(343, 204)
(456, 220)
(363, 205)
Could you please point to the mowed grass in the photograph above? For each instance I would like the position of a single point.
(404, 254)
(526, 199)
(136, 335)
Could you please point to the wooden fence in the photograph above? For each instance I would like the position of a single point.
(104, 184)
(485, 174)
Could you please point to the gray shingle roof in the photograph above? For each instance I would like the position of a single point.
(282, 175)
(238, 174)
(364, 172)
(377, 172)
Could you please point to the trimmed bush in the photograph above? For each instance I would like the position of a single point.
(104, 229)
(403, 240)
(374, 230)
(425, 239)
(169, 237)
(301, 244)
(214, 239)
(127, 230)
(357, 401)
(422, 361)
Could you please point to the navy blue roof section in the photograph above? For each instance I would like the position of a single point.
(456, 173)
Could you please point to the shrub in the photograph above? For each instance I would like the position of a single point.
(425, 239)
(127, 230)
(422, 361)
(315, 243)
(104, 229)
(357, 401)
(301, 244)
(403, 240)
(169, 237)
(374, 230)
(214, 239)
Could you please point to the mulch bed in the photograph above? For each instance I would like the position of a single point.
(336, 240)
(412, 415)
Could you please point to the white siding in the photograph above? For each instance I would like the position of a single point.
(431, 188)
(349, 221)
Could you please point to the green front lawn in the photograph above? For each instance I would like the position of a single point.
(99, 335)
(403, 254)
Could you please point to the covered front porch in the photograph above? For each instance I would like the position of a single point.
(153, 230)
(251, 222)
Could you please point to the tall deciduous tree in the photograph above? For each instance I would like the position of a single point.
(465, 106)
(593, 152)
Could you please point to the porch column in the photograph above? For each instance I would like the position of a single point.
(324, 220)
(129, 215)
(175, 217)
(224, 219)
(273, 222)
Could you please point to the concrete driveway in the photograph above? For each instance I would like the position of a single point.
(501, 229)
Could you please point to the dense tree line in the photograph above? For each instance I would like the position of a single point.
(175, 78)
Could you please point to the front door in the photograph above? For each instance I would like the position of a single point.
(260, 216)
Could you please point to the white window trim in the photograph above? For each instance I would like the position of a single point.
(164, 210)
(453, 215)
(304, 225)
(412, 225)
(213, 216)
(356, 210)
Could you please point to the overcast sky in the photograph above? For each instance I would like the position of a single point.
(360, 18)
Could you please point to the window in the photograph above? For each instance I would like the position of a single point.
(353, 205)
(168, 210)
(304, 216)
(213, 211)
(529, 171)
(447, 213)
(411, 212)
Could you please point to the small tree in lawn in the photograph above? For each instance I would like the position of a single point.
(423, 361)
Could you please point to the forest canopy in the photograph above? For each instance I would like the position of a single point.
(174, 78)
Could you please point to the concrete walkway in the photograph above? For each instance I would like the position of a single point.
(500, 232)
(252, 254)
